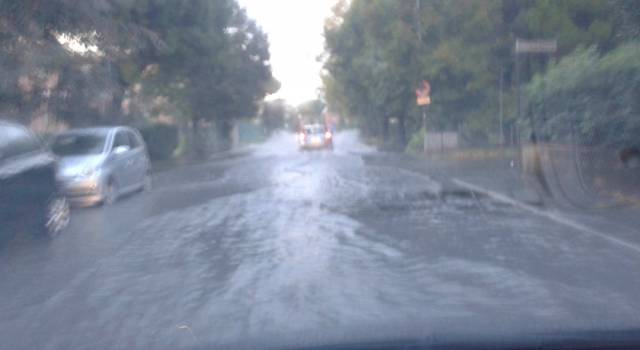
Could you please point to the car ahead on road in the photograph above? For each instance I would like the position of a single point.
(315, 136)
(97, 165)
(29, 193)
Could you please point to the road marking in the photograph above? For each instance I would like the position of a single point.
(553, 216)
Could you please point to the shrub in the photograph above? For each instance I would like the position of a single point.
(161, 139)
(416, 142)
(592, 96)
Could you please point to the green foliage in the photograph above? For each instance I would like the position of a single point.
(213, 58)
(311, 110)
(371, 63)
(379, 51)
(274, 115)
(416, 142)
(590, 95)
(161, 139)
(627, 13)
(194, 60)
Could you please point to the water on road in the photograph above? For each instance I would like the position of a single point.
(279, 247)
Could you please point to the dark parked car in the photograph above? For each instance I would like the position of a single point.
(29, 196)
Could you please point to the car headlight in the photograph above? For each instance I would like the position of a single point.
(90, 172)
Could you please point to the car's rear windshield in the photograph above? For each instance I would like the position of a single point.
(315, 129)
(78, 144)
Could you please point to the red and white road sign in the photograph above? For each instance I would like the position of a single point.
(422, 94)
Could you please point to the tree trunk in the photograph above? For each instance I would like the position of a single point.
(402, 131)
(224, 135)
(187, 135)
(385, 130)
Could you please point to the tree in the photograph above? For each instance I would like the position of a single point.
(203, 61)
(311, 111)
(274, 115)
(41, 76)
(378, 51)
(213, 63)
(589, 97)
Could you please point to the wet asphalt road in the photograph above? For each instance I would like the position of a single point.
(277, 247)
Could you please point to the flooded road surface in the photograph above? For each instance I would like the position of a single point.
(285, 248)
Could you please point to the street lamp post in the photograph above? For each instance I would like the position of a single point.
(424, 118)
(528, 47)
(501, 139)
(419, 31)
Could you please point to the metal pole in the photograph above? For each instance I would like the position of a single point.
(424, 108)
(518, 105)
(47, 95)
(518, 101)
(501, 139)
(424, 127)
(418, 22)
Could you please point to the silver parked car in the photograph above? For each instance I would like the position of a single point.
(99, 164)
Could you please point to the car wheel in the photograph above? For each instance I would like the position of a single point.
(110, 193)
(57, 216)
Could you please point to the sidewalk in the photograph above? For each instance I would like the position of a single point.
(494, 174)
(178, 170)
(160, 166)
(497, 177)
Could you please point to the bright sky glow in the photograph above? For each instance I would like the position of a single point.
(295, 30)
(74, 45)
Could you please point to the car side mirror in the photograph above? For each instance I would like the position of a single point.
(120, 149)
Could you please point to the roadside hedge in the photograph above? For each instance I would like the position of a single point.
(161, 139)
(595, 97)
(416, 142)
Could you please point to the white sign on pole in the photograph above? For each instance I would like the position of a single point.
(536, 46)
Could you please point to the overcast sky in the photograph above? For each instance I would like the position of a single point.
(295, 29)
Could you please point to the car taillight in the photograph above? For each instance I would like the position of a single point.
(301, 136)
(328, 135)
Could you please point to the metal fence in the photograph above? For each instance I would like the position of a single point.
(440, 141)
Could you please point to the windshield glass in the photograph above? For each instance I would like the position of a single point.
(78, 144)
(315, 129)
(287, 174)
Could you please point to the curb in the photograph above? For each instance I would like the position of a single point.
(554, 216)
(167, 165)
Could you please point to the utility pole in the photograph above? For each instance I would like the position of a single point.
(518, 99)
(526, 47)
(418, 23)
(419, 29)
(531, 47)
(501, 139)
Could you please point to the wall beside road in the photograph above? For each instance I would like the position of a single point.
(440, 141)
